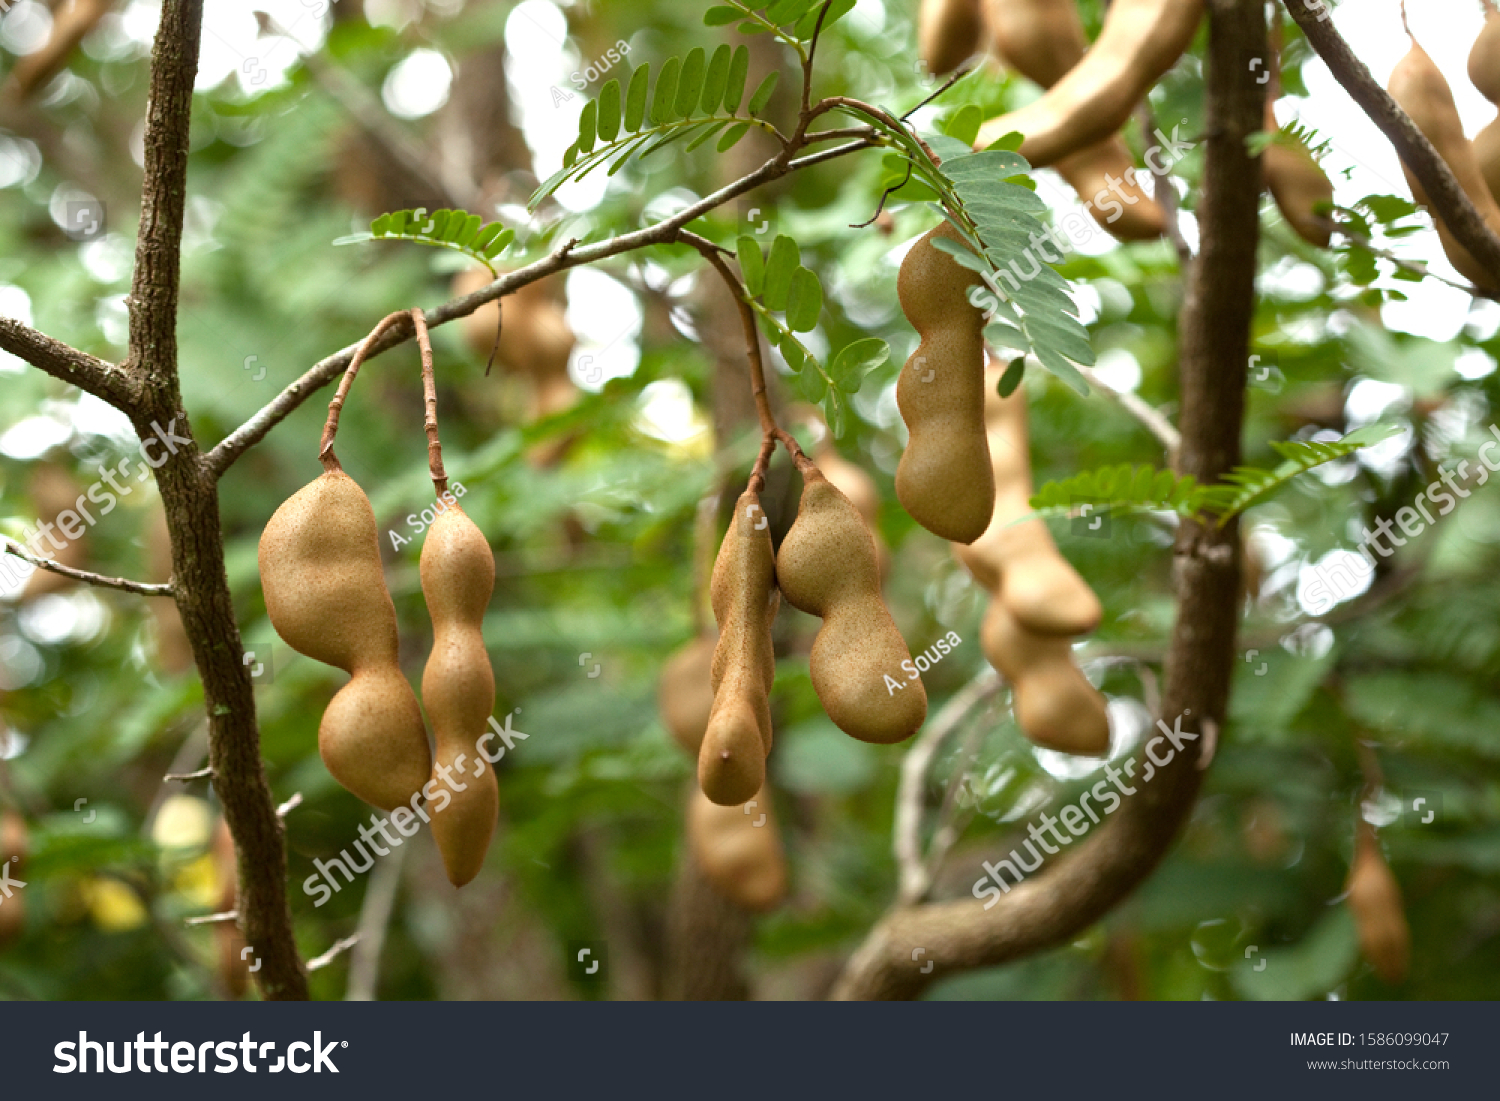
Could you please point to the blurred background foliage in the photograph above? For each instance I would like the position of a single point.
(296, 142)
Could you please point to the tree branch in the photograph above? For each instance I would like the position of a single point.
(139, 588)
(1448, 200)
(1056, 905)
(1141, 410)
(564, 258)
(90, 374)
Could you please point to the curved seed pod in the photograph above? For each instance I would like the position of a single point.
(739, 849)
(1484, 57)
(1140, 40)
(1054, 703)
(827, 567)
(943, 478)
(60, 507)
(13, 846)
(1375, 899)
(326, 596)
(233, 968)
(948, 33)
(458, 686)
(1419, 87)
(1021, 564)
(685, 692)
(1486, 147)
(1297, 184)
(859, 487)
(1042, 40)
(732, 758)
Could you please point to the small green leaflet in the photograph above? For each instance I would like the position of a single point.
(456, 230)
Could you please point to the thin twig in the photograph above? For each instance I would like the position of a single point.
(907, 830)
(374, 917)
(290, 805)
(213, 919)
(188, 777)
(89, 373)
(429, 398)
(339, 946)
(336, 406)
(1141, 410)
(123, 584)
(1166, 198)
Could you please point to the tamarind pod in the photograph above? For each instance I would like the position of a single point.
(1418, 86)
(827, 567)
(1375, 900)
(1040, 39)
(943, 479)
(739, 849)
(859, 487)
(732, 758)
(1297, 184)
(685, 692)
(56, 495)
(1140, 40)
(326, 597)
(233, 969)
(70, 24)
(1484, 57)
(1105, 177)
(458, 687)
(1486, 147)
(1054, 704)
(1019, 563)
(948, 33)
(13, 843)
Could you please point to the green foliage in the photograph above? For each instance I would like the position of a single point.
(456, 230)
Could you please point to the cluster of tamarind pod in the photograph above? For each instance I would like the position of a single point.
(1089, 93)
(326, 596)
(1421, 90)
(965, 475)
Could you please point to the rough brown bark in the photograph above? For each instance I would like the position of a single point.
(190, 496)
(1214, 345)
(706, 940)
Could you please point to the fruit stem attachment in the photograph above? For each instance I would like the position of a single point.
(429, 397)
(335, 407)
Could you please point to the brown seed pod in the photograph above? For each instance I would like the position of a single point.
(827, 567)
(949, 32)
(943, 478)
(326, 596)
(1418, 86)
(859, 487)
(1484, 57)
(72, 20)
(1042, 40)
(738, 849)
(1140, 40)
(1486, 148)
(1054, 703)
(685, 692)
(458, 686)
(13, 846)
(233, 968)
(1020, 563)
(1297, 184)
(61, 507)
(732, 758)
(1375, 899)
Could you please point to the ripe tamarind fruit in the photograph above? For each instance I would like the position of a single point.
(1484, 57)
(1418, 86)
(738, 849)
(948, 33)
(1055, 705)
(859, 487)
(13, 846)
(233, 969)
(732, 758)
(326, 596)
(943, 478)
(1298, 184)
(1140, 40)
(1486, 147)
(685, 692)
(458, 685)
(1042, 40)
(1375, 899)
(827, 567)
(1019, 563)
(59, 503)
